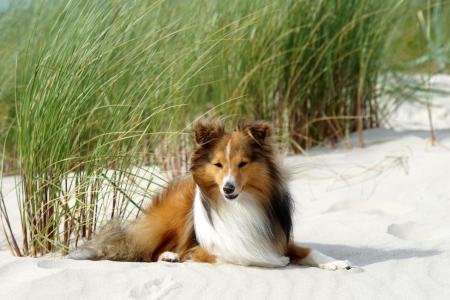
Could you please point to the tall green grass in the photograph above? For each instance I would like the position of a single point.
(96, 91)
(421, 40)
(415, 55)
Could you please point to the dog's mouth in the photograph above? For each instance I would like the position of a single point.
(231, 197)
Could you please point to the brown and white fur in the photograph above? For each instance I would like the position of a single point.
(234, 206)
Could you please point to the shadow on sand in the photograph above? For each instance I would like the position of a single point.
(381, 135)
(364, 256)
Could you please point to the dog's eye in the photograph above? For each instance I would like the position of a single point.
(243, 164)
(219, 165)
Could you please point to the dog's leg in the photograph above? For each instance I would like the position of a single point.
(314, 258)
(297, 253)
(199, 254)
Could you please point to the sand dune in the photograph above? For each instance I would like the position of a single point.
(385, 208)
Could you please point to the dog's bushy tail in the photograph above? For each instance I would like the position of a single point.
(111, 243)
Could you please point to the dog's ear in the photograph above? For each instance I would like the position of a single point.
(208, 131)
(258, 131)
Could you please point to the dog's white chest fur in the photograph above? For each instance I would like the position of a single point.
(238, 233)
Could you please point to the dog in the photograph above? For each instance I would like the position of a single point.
(233, 206)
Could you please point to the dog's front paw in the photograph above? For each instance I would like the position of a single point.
(336, 265)
(169, 257)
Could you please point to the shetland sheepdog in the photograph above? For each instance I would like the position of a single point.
(234, 206)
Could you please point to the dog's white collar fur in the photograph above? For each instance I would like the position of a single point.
(238, 233)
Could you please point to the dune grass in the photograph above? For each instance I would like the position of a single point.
(421, 41)
(93, 93)
(415, 55)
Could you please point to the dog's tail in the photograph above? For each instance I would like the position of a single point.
(113, 242)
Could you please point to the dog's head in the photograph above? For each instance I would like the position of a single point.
(229, 163)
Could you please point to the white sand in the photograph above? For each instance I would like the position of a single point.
(386, 208)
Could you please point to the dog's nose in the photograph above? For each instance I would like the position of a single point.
(228, 188)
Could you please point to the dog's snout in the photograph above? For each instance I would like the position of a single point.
(228, 188)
